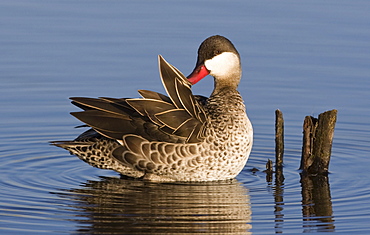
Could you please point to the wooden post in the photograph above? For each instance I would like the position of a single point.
(309, 130)
(279, 138)
(269, 171)
(317, 142)
(279, 177)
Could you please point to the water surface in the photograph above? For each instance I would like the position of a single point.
(303, 58)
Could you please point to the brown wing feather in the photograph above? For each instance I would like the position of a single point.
(154, 95)
(156, 117)
(187, 128)
(178, 89)
(149, 106)
(108, 124)
(101, 104)
(173, 118)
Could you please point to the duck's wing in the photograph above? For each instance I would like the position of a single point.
(176, 118)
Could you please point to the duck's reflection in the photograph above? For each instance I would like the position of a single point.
(129, 206)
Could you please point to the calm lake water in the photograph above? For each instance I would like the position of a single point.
(300, 57)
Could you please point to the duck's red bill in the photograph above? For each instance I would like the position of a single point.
(198, 73)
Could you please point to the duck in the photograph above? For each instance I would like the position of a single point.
(178, 137)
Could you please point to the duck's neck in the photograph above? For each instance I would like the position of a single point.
(230, 82)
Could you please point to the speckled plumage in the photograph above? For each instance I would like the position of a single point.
(181, 137)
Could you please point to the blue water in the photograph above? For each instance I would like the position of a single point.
(300, 57)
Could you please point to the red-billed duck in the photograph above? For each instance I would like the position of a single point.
(178, 137)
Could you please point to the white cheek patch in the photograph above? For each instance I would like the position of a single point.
(223, 64)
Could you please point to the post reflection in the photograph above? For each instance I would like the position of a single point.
(129, 206)
(316, 204)
(279, 199)
(278, 192)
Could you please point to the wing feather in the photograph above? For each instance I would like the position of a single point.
(176, 118)
(154, 95)
(178, 89)
(173, 118)
(145, 106)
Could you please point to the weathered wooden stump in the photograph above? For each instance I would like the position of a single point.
(279, 138)
(317, 142)
(279, 147)
(269, 171)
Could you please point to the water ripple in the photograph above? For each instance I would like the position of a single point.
(44, 189)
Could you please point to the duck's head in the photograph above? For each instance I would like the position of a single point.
(217, 57)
